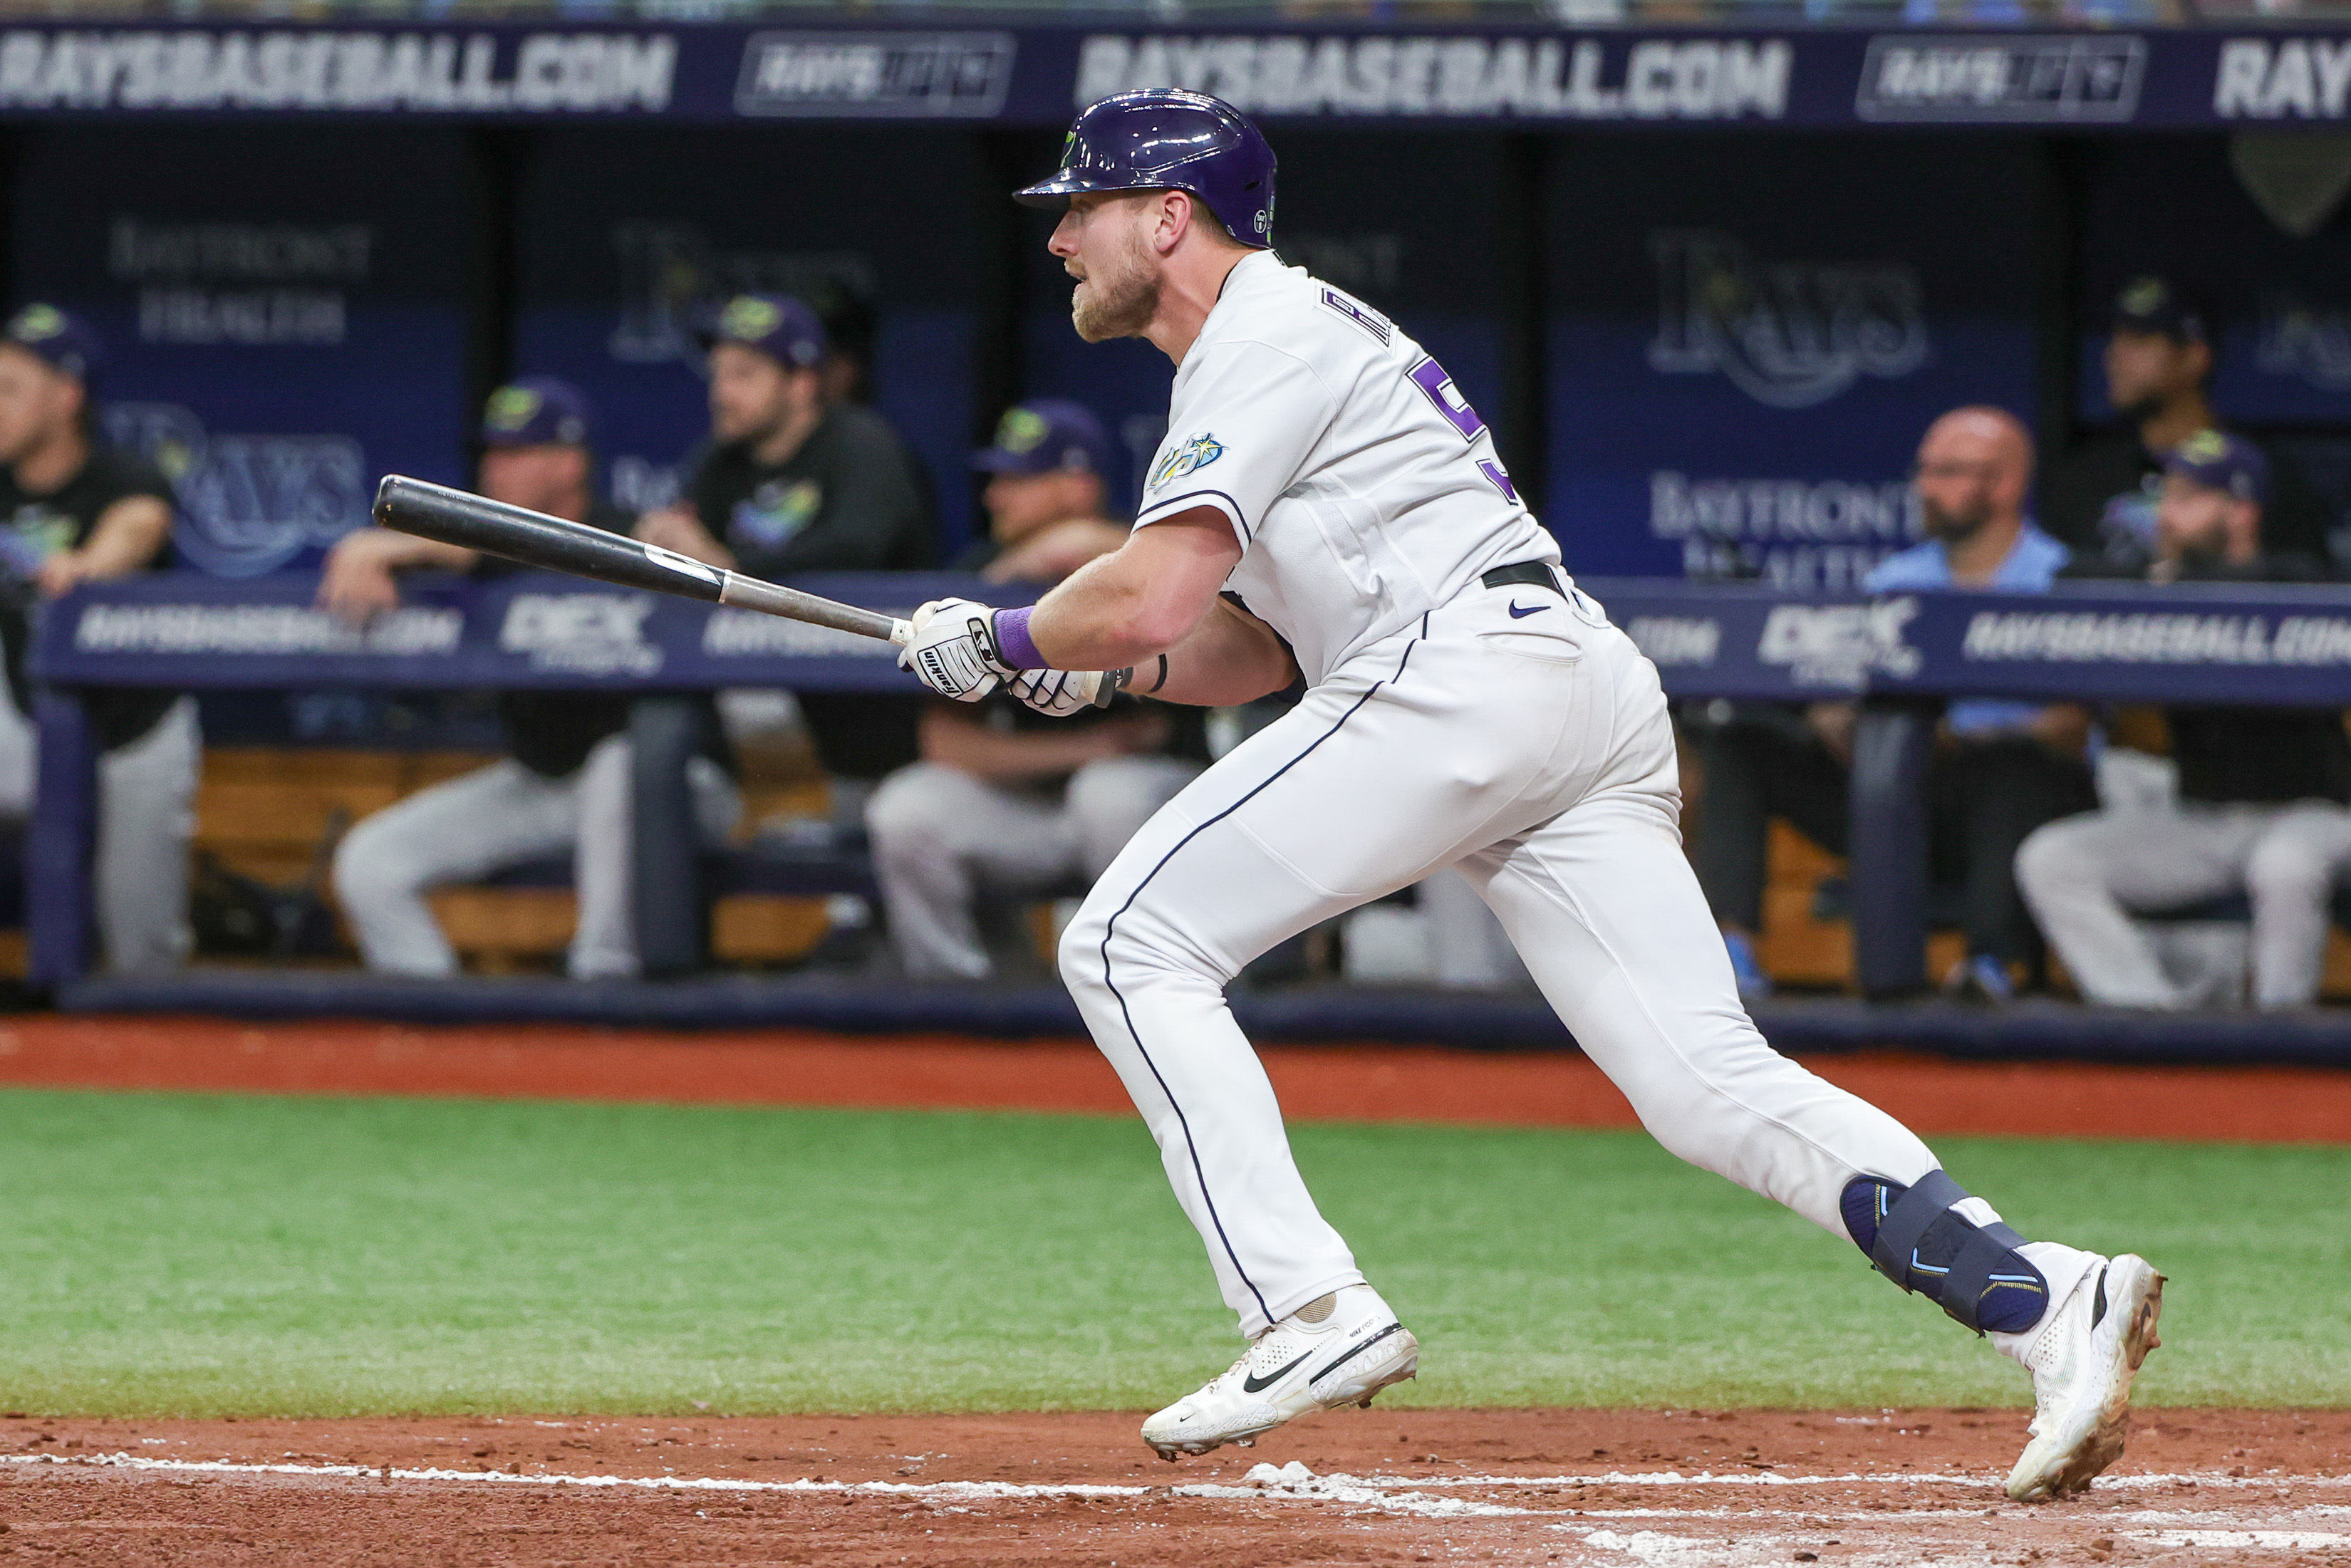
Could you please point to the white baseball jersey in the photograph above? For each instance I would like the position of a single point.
(1364, 490)
(1448, 724)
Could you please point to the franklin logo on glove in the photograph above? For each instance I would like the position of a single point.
(953, 652)
(963, 650)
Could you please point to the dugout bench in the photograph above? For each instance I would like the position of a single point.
(1902, 656)
(529, 631)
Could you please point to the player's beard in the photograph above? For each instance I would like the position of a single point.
(1951, 528)
(1119, 301)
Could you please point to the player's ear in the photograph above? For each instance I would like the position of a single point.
(1175, 220)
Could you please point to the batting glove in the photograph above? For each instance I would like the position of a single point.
(1061, 693)
(953, 650)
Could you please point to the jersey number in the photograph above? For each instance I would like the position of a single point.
(1438, 386)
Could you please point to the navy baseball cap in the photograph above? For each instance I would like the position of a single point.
(2152, 304)
(1045, 434)
(60, 339)
(537, 411)
(2222, 462)
(778, 324)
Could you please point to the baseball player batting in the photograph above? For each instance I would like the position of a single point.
(1326, 504)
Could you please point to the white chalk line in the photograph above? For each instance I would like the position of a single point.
(1290, 1482)
(2142, 1480)
(1322, 1489)
(2273, 1539)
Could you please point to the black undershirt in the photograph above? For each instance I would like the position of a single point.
(34, 528)
(850, 499)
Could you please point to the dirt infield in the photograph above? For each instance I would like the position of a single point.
(1689, 1489)
(1682, 1488)
(1366, 1082)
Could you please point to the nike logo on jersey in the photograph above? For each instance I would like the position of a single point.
(1257, 1385)
(1520, 612)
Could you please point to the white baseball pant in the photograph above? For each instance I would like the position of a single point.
(146, 816)
(1534, 753)
(2085, 875)
(467, 828)
(941, 836)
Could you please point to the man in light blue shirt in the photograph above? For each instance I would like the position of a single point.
(2002, 768)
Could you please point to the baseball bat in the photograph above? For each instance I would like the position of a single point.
(533, 538)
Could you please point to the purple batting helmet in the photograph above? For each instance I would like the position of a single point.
(1166, 138)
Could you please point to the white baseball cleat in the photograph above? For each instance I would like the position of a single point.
(1354, 1350)
(2083, 1355)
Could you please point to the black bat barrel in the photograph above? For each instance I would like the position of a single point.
(533, 538)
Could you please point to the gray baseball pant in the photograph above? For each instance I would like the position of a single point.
(940, 836)
(2085, 875)
(467, 828)
(146, 815)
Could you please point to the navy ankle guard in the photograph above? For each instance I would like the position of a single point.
(1974, 1272)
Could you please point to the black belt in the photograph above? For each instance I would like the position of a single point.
(1533, 573)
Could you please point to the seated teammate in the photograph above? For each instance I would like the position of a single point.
(75, 509)
(790, 482)
(1002, 799)
(2100, 498)
(2262, 791)
(567, 786)
(2000, 768)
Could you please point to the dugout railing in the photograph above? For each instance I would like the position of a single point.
(1901, 656)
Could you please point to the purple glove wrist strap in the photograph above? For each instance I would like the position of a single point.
(1012, 643)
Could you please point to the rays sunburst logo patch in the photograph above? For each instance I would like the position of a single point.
(1193, 454)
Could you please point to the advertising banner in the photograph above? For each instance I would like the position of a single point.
(283, 315)
(1038, 73)
(2265, 644)
(1744, 353)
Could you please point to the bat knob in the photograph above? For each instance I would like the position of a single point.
(384, 492)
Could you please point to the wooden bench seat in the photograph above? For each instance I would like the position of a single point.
(264, 811)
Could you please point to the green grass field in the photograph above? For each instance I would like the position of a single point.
(217, 1255)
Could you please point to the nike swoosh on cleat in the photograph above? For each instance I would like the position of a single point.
(1383, 1333)
(1519, 614)
(1259, 1384)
